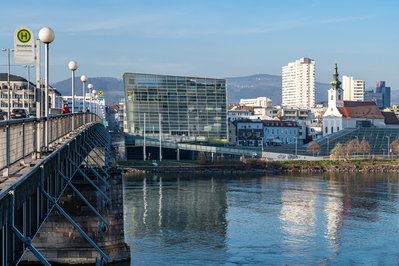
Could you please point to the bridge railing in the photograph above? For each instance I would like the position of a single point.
(22, 138)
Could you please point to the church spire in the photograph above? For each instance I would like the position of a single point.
(335, 83)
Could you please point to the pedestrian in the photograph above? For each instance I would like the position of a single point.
(65, 109)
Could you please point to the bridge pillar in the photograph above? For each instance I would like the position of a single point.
(60, 243)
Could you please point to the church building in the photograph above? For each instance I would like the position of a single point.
(342, 114)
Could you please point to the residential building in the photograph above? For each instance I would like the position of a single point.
(22, 93)
(353, 89)
(239, 112)
(178, 106)
(249, 133)
(56, 101)
(257, 102)
(298, 84)
(281, 132)
(232, 133)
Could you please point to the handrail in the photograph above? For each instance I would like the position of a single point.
(21, 138)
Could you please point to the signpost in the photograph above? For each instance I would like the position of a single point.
(24, 46)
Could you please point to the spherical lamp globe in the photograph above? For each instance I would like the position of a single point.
(83, 78)
(72, 65)
(90, 86)
(46, 35)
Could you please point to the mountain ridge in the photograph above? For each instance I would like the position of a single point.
(251, 86)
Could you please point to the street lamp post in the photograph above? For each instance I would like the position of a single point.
(96, 104)
(46, 36)
(83, 78)
(90, 87)
(28, 67)
(8, 50)
(388, 149)
(73, 65)
(92, 102)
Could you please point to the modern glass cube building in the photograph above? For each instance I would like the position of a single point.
(184, 108)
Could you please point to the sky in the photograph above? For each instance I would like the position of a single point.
(212, 38)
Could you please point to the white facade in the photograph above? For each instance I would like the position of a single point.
(332, 118)
(97, 105)
(298, 84)
(353, 89)
(257, 102)
(233, 115)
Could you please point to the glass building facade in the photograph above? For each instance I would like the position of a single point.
(184, 108)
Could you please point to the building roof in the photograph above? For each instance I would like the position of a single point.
(353, 109)
(390, 118)
(245, 120)
(242, 108)
(278, 123)
(13, 78)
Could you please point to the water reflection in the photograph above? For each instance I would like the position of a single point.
(163, 213)
(199, 220)
(297, 213)
(333, 211)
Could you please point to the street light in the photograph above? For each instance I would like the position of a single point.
(28, 67)
(93, 92)
(96, 103)
(72, 65)
(388, 149)
(46, 36)
(8, 50)
(83, 78)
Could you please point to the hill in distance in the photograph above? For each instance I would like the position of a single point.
(264, 85)
(112, 88)
(260, 85)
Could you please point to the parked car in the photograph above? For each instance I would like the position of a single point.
(3, 114)
(19, 113)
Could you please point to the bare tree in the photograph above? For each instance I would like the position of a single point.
(352, 147)
(394, 146)
(338, 150)
(364, 147)
(313, 147)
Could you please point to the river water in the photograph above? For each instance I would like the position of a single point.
(262, 220)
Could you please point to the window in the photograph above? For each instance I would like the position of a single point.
(332, 129)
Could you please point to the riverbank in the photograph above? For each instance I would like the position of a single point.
(256, 165)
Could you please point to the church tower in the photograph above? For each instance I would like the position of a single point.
(332, 118)
(335, 93)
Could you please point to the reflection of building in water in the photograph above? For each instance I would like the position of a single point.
(333, 211)
(192, 208)
(298, 212)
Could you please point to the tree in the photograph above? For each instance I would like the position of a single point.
(313, 147)
(352, 147)
(394, 146)
(364, 147)
(338, 150)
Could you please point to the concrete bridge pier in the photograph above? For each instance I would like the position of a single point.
(60, 243)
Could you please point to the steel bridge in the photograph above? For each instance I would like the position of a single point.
(36, 169)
